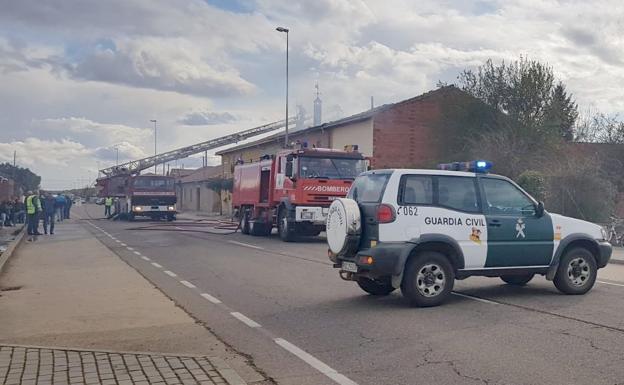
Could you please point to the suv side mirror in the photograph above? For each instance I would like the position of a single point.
(539, 209)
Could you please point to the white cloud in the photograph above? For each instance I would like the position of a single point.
(201, 118)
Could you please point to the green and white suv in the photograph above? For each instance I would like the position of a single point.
(419, 230)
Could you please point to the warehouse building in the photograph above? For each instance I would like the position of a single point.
(402, 134)
(194, 192)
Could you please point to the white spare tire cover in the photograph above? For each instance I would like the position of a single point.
(343, 225)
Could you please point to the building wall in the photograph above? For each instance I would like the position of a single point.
(403, 136)
(360, 133)
(188, 199)
(6, 189)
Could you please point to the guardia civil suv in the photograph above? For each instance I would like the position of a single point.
(419, 230)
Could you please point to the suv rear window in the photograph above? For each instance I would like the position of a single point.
(368, 188)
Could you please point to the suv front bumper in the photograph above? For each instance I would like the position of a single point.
(604, 253)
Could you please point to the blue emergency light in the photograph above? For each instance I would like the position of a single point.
(480, 166)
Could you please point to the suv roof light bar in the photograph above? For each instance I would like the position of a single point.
(478, 166)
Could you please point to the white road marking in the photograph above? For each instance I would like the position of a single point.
(188, 284)
(246, 245)
(130, 248)
(137, 253)
(246, 320)
(315, 362)
(156, 265)
(123, 244)
(475, 298)
(170, 273)
(145, 258)
(179, 228)
(117, 240)
(210, 298)
(611, 283)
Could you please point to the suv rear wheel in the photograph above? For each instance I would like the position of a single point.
(577, 272)
(382, 286)
(428, 279)
(517, 280)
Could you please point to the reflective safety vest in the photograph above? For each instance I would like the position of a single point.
(33, 204)
(108, 202)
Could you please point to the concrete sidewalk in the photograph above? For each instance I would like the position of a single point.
(68, 296)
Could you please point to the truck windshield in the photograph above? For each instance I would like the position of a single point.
(153, 183)
(330, 168)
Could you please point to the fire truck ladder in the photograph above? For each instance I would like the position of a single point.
(136, 166)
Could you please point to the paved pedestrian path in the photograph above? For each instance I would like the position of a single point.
(34, 365)
(72, 295)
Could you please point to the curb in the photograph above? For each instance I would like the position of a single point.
(11, 248)
(616, 261)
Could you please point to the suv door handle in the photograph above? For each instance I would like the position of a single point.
(494, 223)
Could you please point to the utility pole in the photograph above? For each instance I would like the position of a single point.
(285, 30)
(155, 147)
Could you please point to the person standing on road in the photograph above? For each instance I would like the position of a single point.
(68, 205)
(108, 203)
(60, 207)
(33, 209)
(49, 211)
(19, 209)
(3, 213)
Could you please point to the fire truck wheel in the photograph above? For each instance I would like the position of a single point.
(283, 226)
(245, 225)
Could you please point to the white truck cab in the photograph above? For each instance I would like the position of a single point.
(419, 230)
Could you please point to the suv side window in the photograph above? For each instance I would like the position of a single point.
(416, 190)
(458, 193)
(503, 198)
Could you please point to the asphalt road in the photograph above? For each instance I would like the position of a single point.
(300, 324)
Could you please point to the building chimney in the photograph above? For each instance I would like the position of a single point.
(318, 105)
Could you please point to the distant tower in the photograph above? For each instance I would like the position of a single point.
(318, 104)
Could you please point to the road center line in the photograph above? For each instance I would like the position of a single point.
(145, 258)
(610, 283)
(475, 298)
(123, 244)
(117, 240)
(137, 253)
(170, 273)
(130, 248)
(156, 265)
(210, 298)
(188, 284)
(314, 362)
(179, 228)
(246, 320)
(246, 245)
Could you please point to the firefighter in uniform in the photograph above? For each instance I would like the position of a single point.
(33, 209)
(108, 203)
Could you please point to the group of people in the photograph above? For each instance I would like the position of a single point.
(48, 207)
(12, 212)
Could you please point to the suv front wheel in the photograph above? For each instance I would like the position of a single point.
(577, 272)
(428, 279)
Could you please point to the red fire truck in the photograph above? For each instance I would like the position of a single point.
(141, 195)
(292, 190)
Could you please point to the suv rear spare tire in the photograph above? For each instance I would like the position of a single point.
(343, 226)
(382, 286)
(517, 280)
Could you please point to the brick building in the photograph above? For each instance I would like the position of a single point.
(193, 191)
(7, 189)
(402, 134)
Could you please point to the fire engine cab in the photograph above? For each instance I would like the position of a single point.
(292, 190)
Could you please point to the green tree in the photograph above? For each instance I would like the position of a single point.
(534, 183)
(23, 177)
(562, 113)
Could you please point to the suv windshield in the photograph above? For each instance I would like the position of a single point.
(330, 168)
(368, 188)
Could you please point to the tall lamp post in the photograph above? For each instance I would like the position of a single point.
(116, 155)
(286, 30)
(155, 153)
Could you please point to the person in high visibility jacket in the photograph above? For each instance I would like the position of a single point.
(108, 203)
(33, 210)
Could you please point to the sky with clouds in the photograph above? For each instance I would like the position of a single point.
(80, 79)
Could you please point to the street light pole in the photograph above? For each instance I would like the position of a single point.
(155, 149)
(117, 155)
(286, 30)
